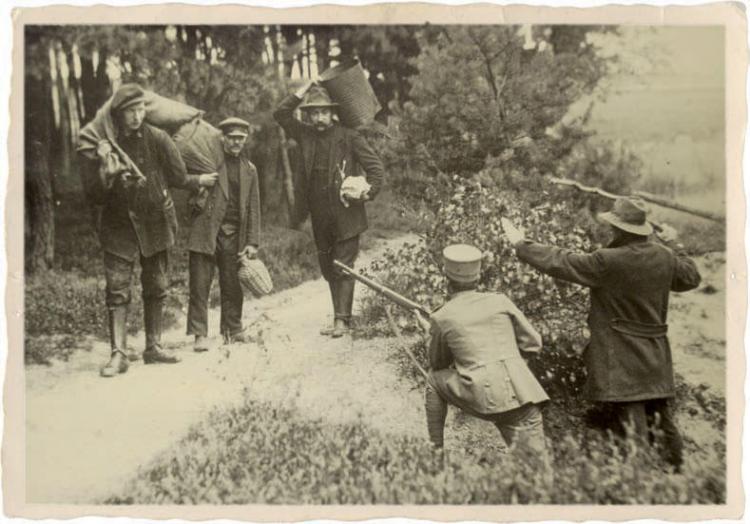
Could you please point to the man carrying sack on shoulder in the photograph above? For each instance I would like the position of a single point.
(224, 231)
(330, 154)
(628, 359)
(127, 176)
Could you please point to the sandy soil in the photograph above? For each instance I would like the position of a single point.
(86, 436)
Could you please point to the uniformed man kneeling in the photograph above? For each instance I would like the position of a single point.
(475, 363)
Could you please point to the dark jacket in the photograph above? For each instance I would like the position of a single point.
(346, 145)
(140, 218)
(475, 361)
(205, 224)
(628, 357)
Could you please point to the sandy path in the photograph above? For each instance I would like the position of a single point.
(87, 436)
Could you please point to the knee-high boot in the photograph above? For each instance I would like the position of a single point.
(153, 314)
(118, 362)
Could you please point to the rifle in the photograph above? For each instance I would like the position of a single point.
(382, 290)
(394, 297)
(659, 201)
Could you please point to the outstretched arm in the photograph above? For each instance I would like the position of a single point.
(586, 269)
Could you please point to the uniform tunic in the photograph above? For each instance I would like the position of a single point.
(475, 358)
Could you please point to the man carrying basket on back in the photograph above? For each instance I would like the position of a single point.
(331, 153)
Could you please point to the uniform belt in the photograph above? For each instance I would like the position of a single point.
(638, 329)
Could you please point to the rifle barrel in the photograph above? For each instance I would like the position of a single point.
(380, 288)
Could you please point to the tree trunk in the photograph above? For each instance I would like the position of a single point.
(288, 180)
(40, 244)
(63, 149)
(322, 47)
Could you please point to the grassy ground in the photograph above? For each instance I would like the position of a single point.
(259, 453)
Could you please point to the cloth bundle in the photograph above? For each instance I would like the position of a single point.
(98, 139)
(254, 277)
(201, 149)
(354, 188)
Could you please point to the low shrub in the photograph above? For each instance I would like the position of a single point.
(69, 303)
(259, 454)
(43, 350)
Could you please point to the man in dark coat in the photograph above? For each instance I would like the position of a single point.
(329, 153)
(137, 221)
(475, 348)
(628, 358)
(224, 230)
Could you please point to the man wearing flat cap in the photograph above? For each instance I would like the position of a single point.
(475, 360)
(226, 229)
(329, 153)
(137, 222)
(628, 359)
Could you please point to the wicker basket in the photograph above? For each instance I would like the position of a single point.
(254, 278)
(347, 85)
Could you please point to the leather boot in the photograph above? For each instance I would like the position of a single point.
(329, 330)
(152, 318)
(118, 362)
(201, 344)
(342, 305)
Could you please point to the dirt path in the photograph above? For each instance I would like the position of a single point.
(86, 436)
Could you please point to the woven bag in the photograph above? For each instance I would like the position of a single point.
(254, 277)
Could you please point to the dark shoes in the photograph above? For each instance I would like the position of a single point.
(118, 363)
(339, 329)
(241, 337)
(201, 344)
(158, 355)
(132, 354)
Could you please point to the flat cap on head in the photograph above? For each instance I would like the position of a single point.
(462, 262)
(127, 96)
(234, 126)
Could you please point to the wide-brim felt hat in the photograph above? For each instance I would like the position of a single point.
(629, 214)
(234, 126)
(127, 96)
(317, 96)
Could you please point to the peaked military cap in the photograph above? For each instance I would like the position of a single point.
(462, 262)
(127, 96)
(234, 126)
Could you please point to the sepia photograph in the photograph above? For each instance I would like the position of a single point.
(299, 262)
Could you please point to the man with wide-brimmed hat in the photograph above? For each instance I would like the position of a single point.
(628, 358)
(475, 359)
(328, 154)
(225, 229)
(137, 222)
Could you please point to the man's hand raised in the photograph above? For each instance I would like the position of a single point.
(514, 234)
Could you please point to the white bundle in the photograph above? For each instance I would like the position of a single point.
(354, 188)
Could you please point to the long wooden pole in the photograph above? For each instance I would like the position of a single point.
(397, 333)
(642, 194)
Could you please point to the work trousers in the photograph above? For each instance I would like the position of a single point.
(522, 426)
(653, 421)
(118, 273)
(345, 251)
(201, 276)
